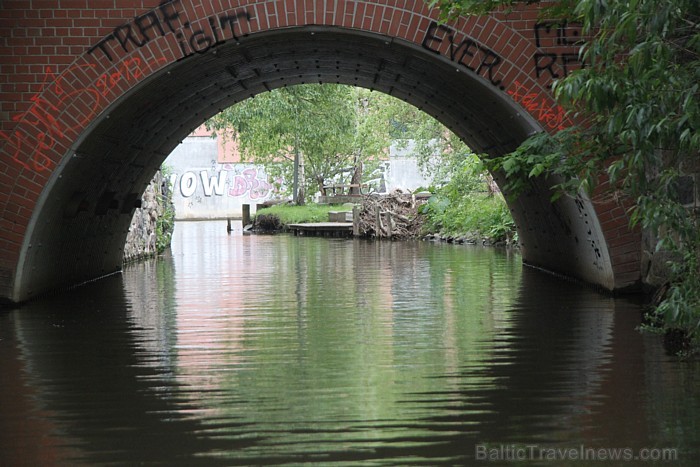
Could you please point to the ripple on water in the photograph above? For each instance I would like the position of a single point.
(240, 350)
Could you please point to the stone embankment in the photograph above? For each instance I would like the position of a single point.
(143, 238)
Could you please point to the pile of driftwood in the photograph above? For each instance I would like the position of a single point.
(394, 215)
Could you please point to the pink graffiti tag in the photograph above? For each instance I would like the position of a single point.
(248, 182)
(40, 128)
(553, 117)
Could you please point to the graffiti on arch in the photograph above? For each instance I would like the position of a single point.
(40, 128)
(560, 35)
(559, 42)
(193, 36)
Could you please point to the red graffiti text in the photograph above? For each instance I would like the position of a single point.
(40, 127)
(551, 116)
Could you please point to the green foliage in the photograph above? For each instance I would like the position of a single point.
(329, 126)
(451, 9)
(292, 214)
(438, 151)
(165, 224)
(638, 96)
(465, 206)
(463, 203)
(334, 128)
(477, 215)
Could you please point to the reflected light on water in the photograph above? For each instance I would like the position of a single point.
(240, 350)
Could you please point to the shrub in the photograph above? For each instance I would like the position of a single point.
(267, 222)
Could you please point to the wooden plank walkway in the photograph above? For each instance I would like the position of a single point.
(322, 229)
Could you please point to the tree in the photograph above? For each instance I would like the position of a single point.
(335, 129)
(324, 127)
(439, 152)
(638, 99)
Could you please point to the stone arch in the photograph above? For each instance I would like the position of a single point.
(84, 147)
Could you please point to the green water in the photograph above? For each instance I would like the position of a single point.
(269, 350)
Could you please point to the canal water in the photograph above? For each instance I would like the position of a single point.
(282, 350)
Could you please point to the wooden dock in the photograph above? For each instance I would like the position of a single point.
(322, 229)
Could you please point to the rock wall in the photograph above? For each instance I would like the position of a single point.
(142, 238)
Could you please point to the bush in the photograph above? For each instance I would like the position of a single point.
(267, 223)
(291, 214)
(165, 224)
(465, 206)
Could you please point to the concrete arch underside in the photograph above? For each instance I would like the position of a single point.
(78, 228)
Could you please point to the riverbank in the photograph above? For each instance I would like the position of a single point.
(278, 216)
(402, 216)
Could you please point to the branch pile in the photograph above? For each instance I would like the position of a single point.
(394, 215)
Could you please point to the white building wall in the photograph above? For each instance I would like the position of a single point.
(202, 188)
(402, 170)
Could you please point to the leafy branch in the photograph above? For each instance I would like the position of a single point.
(638, 101)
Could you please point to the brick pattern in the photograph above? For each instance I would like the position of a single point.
(55, 76)
(624, 244)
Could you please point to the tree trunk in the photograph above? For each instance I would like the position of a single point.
(356, 177)
(295, 183)
(301, 195)
(321, 185)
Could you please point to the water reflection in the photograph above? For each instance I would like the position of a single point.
(272, 350)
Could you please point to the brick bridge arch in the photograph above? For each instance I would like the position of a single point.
(94, 99)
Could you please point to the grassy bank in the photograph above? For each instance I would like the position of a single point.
(290, 214)
(473, 216)
(469, 206)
